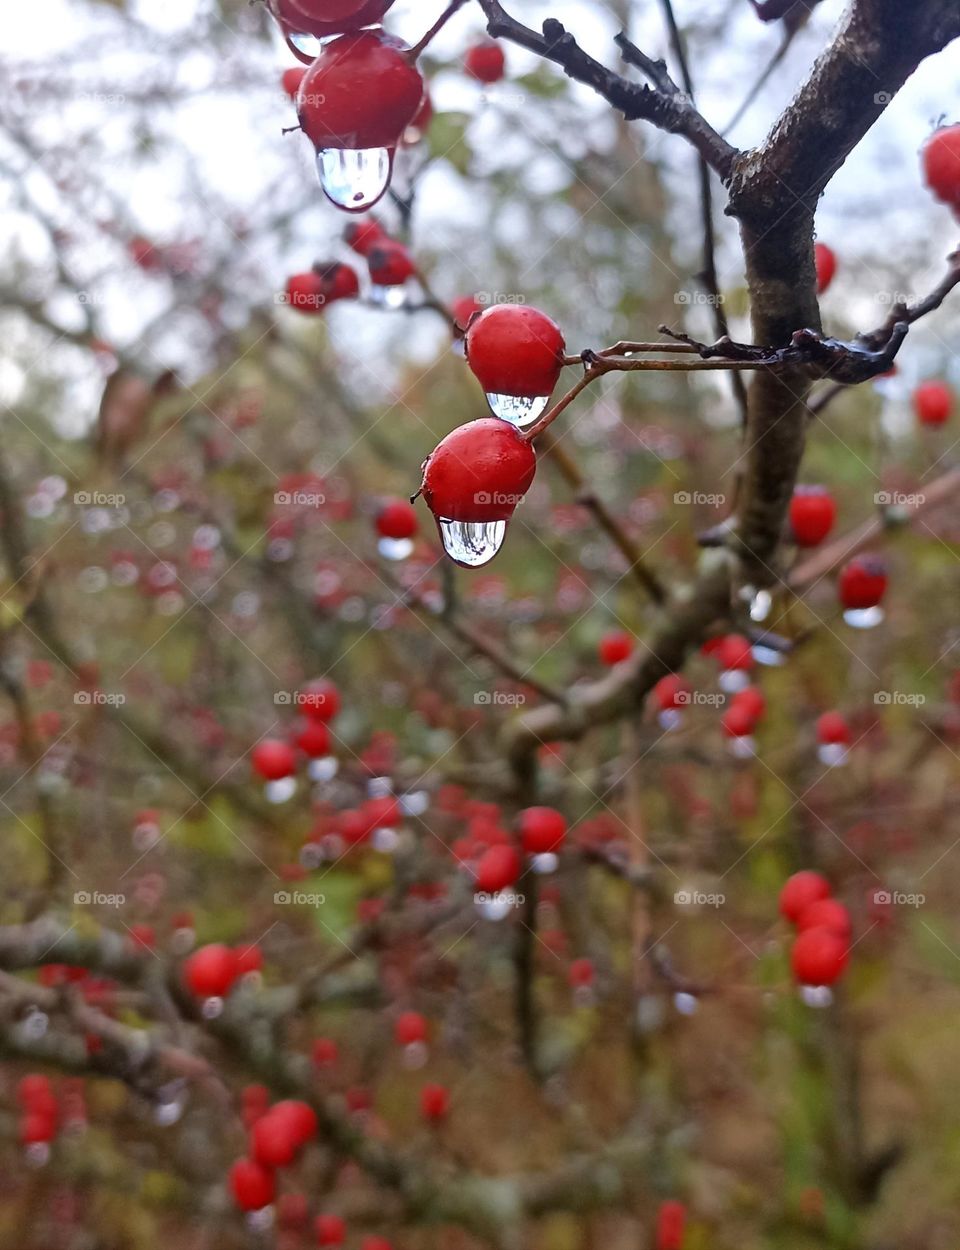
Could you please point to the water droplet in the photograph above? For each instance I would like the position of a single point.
(495, 907)
(471, 543)
(309, 45)
(832, 754)
(670, 719)
(415, 1056)
(864, 618)
(212, 1007)
(392, 297)
(733, 679)
(385, 840)
(37, 1154)
(584, 996)
(519, 410)
(415, 803)
(768, 656)
(324, 769)
(280, 791)
(816, 995)
(395, 548)
(545, 863)
(743, 748)
(760, 605)
(354, 179)
(686, 1004)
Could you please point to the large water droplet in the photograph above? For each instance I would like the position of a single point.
(818, 996)
(472, 543)
(732, 680)
(392, 297)
(545, 863)
(864, 618)
(354, 179)
(280, 791)
(743, 747)
(519, 410)
(833, 754)
(686, 1004)
(309, 45)
(323, 769)
(670, 719)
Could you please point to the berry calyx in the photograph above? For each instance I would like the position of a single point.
(273, 759)
(210, 971)
(252, 1185)
(615, 647)
(818, 957)
(813, 512)
(542, 830)
(941, 164)
(933, 403)
(862, 583)
(360, 93)
(479, 472)
(485, 61)
(826, 262)
(516, 350)
(800, 891)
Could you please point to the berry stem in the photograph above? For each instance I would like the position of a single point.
(435, 29)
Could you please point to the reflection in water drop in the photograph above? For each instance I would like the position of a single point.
(743, 747)
(832, 754)
(685, 1003)
(385, 840)
(395, 548)
(816, 995)
(471, 543)
(392, 297)
(760, 605)
(769, 656)
(211, 1008)
(495, 906)
(323, 769)
(415, 1056)
(733, 679)
(519, 410)
(309, 45)
(415, 803)
(354, 179)
(864, 618)
(37, 1154)
(545, 863)
(670, 719)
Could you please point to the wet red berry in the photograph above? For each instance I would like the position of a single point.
(818, 957)
(542, 830)
(826, 263)
(833, 730)
(813, 512)
(862, 582)
(396, 519)
(409, 1028)
(273, 759)
(479, 472)
(672, 692)
(253, 1186)
(933, 403)
(320, 699)
(515, 350)
(313, 738)
(364, 235)
(330, 1230)
(799, 891)
(615, 647)
(826, 913)
(498, 867)
(671, 1221)
(292, 78)
(390, 264)
(941, 164)
(485, 61)
(434, 1102)
(317, 17)
(210, 971)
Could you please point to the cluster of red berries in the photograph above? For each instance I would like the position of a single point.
(821, 950)
(211, 971)
(941, 165)
(310, 292)
(274, 759)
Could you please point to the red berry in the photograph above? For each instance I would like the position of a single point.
(363, 236)
(361, 92)
(485, 61)
(932, 402)
(397, 519)
(34, 1089)
(249, 959)
(434, 1102)
(826, 263)
(410, 1027)
(738, 721)
(833, 730)
(273, 759)
(252, 1186)
(818, 957)
(210, 971)
(305, 292)
(941, 164)
(826, 913)
(320, 699)
(313, 739)
(734, 652)
(862, 582)
(813, 512)
(479, 472)
(421, 121)
(273, 1144)
(325, 1052)
(36, 1127)
(464, 308)
(311, 17)
(390, 264)
(672, 692)
(330, 1230)
(291, 80)
(750, 702)
(498, 867)
(293, 1211)
(799, 891)
(581, 973)
(542, 830)
(671, 1219)
(615, 647)
(515, 350)
(299, 1117)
